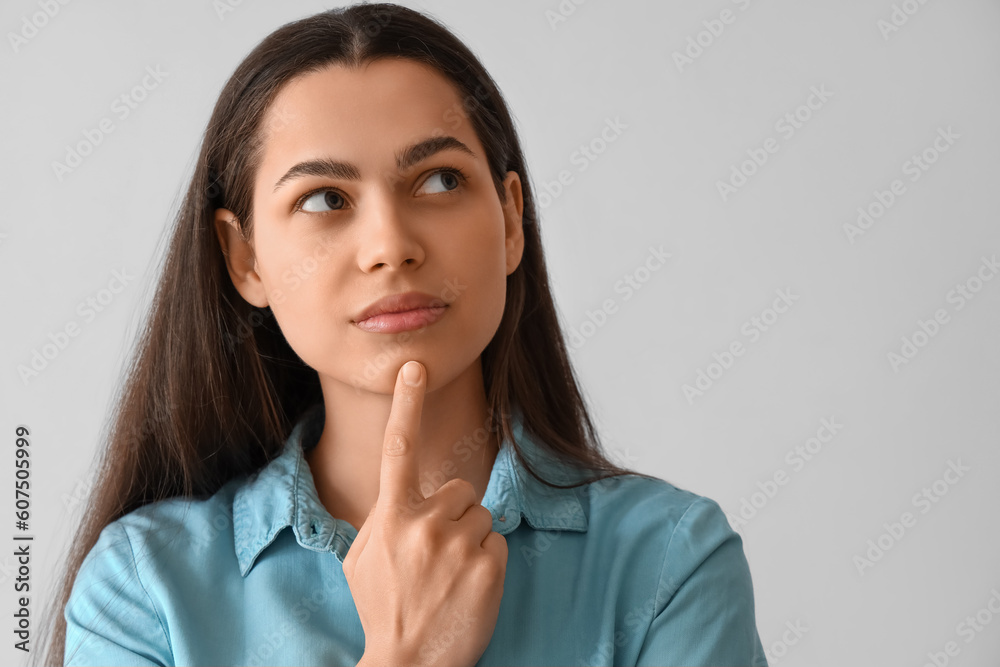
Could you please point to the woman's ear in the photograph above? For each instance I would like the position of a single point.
(513, 211)
(240, 260)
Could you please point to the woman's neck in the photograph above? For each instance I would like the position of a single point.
(455, 441)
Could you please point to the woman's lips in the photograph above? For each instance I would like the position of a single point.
(406, 320)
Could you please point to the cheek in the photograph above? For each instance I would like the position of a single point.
(303, 290)
(294, 268)
(484, 270)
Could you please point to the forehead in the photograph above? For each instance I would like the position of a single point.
(379, 107)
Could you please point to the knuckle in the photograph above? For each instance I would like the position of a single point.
(465, 484)
(396, 444)
(396, 516)
(499, 542)
(458, 486)
(409, 395)
(436, 510)
(483, 515)
(461, 550)
(491, 567)
(429, 530)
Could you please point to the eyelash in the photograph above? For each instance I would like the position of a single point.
(462, 179)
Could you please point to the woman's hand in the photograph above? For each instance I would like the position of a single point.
(427, 577)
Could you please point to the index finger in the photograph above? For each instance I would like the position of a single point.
(398, 473)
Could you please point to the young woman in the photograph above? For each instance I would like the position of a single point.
(351, 433)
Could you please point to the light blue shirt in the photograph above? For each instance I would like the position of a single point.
(623, 571)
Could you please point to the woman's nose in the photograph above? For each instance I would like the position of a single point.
(386, 238)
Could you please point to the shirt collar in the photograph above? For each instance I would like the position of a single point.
(283, 494)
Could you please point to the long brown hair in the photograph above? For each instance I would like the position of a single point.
(213, 389)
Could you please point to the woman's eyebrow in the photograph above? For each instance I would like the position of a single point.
(405, 159)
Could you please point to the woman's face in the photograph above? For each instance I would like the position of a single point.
(339, 223)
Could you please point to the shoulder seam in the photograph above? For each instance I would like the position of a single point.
(659, 579)
(146, 592)
(666, 551)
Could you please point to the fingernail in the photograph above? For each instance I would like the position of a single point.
(411, 373)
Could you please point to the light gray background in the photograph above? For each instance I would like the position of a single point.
(655, 184)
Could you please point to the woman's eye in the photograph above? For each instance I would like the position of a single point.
(322, 198)
(448, 178)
